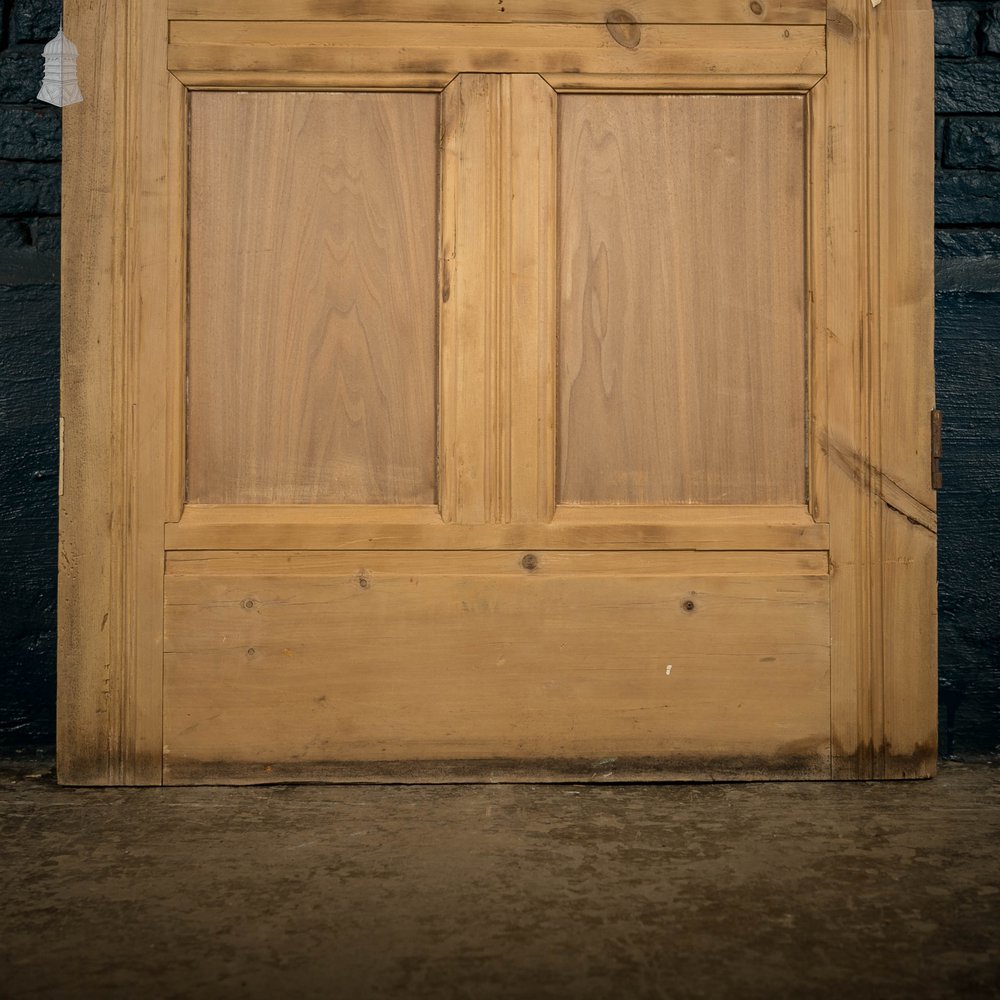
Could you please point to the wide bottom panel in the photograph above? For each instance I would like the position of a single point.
(459, 666)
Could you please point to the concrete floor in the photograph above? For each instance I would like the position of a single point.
(744, 891)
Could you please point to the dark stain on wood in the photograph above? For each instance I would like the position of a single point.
(803, 759)
(871, 761)
(839, 23)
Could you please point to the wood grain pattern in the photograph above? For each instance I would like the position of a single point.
(682, 83)
(312, 344)
(816, 275)
(177, 298)
(366, 657)
(856, 682)
(531, 288)
(497, 299)
(905, 140)
(90, 598)
(585, 527)
(116, 266)
(581, 11)
(295, 79)
(475, 127)
(434, 82)
(682, 328)
(521, 641)
(144, 387)
(355, 47)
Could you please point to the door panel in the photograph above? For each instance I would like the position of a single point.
(451, 374)
(313, 259)
(682, 299)
(301, 663)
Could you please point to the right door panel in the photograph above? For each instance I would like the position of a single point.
(682, 329)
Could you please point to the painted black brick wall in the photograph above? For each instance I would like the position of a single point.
(30, 139)
(968, 364)
(967, 44)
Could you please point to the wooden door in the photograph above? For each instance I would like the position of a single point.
(478, 391)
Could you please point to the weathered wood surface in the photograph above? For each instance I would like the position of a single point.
(298, 658)
(905, 139)
(89, 595)
(510, 11)
(553, 662)
(362, 47)
(572, 527)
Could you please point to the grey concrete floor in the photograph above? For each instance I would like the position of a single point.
(775, 890)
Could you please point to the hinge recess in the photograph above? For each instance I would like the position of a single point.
(936, 478)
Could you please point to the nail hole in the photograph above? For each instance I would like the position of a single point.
(688, 606)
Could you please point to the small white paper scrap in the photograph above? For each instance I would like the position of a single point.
(59, 85)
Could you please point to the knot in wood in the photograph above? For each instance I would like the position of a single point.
(624, 28)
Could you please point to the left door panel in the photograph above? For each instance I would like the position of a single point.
(312, 323)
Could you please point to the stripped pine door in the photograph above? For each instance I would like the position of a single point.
(470, 391)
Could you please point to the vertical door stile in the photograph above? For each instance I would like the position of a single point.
(91, 602)
(532, 283)
(497, 300)
(905, 62)
(468, 248)
(140, 703)
(855, 661)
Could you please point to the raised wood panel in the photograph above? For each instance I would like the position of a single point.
(581, 11)
(281, 660)
(312, 347)
(331, 47)
(682, 327)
